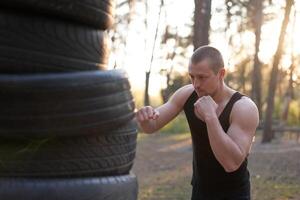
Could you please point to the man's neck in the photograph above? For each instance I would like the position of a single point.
(222, 94)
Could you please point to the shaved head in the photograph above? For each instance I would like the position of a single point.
(211, 54)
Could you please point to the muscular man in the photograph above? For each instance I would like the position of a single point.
(222, 123)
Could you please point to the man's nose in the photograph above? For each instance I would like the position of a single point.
(197, 83)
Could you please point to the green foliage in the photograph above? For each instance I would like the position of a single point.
(178, 125)
(277, 108)
(294, 113)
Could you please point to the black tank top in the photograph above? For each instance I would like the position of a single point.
(208, 173)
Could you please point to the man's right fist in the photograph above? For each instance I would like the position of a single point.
(146, 113)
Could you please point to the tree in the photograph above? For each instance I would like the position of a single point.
(289, 94)
(165, 93)
(250, 16)
(148, 72)
(178, 50)
(268, 134)
(256, 74)
(174, 84)
(117, 33)
(202, 17)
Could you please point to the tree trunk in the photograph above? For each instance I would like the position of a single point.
(268, 133)
(256, 74)
(285, 110)
(164, 92)
(289, 95)
(148, 73)
(146, 97)
(202, 17)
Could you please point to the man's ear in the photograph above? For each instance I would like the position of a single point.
(222, 73)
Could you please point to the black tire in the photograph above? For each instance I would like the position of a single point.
(66, 104)
(41, 45)
(96, 13)
(97, 188)
(108, 153)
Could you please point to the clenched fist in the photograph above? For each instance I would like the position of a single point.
(146, 113)
(205, 107)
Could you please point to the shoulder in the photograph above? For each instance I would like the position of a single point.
(245, 104)
(245, 112)
(182, 94)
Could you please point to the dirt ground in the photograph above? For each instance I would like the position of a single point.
(163, 166)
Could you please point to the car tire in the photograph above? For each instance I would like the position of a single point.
(66, 104)
(96, 13)
(90, 188)
(30, 44)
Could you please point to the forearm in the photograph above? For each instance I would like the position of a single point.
(151, 120)
(226, 151)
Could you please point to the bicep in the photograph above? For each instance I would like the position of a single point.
(241, 137)
(243, 126)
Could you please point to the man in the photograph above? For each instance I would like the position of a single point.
(222, 123)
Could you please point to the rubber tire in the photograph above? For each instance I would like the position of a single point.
(94, 188)
(67, 104)
(40, 45)
(96, 13)
(108, 153)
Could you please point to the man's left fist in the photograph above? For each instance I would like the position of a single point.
(205, 107)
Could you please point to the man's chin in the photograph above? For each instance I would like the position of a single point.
(201, 94)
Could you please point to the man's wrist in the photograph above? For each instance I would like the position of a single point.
(210, 118)
(148, 126)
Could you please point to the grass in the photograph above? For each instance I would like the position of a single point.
(271, 177)
(171, 184)
(264, 189)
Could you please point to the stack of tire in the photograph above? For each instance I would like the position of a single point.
(66, 121)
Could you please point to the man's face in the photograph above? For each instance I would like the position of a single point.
(204, 79)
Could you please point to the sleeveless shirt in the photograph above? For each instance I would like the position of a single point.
(208, 173)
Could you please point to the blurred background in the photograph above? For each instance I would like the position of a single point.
(259, 40)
